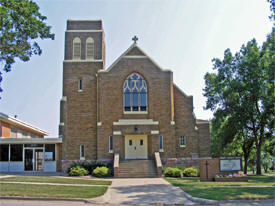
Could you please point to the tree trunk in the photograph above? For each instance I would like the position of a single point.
(258, 151)
(245, 165)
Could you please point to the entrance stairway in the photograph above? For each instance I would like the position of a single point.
(137, 168)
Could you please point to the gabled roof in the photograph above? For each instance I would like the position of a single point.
(125, 54)
(16, 122)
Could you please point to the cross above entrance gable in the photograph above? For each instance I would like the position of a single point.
(135, 39)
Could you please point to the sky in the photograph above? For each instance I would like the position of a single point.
(180, 35)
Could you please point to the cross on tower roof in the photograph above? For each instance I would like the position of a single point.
(135, 39)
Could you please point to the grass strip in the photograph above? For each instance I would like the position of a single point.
(58, 180)
(228, 190)
(27, 190)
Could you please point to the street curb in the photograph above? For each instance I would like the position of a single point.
(43, 198)
(200, 200)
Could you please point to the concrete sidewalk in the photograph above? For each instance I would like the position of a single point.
(142, 191)
(56, 184)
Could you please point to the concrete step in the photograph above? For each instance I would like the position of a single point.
(137, 168)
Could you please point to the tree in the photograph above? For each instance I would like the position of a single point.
(227, 140)
(21, 24)
(272, 9)
(242, 92)
(266, 161)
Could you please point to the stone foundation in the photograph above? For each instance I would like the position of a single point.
(186, 162)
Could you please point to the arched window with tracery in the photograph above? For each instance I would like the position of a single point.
(76, 48)
(135, 93)
(90, 48)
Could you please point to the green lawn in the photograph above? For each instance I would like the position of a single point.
(28, 190)
(228, 190)
(60, 180)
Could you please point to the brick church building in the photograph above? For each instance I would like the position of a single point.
(133, 108)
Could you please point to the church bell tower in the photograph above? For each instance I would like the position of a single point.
(84, 56)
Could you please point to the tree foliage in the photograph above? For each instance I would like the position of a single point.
(21, 25)
(241, 93)
(272, 9)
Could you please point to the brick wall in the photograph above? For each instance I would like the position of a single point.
(204, 138)
(81, 108)
(212, 169)
(185, 124)
(5, 130)
(110, 90)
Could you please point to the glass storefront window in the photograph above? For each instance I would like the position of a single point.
(49, 152)
(4, 152)
(16, 152)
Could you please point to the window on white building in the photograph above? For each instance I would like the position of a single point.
(13, 132)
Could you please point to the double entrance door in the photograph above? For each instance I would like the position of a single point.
(136, 147)
(33, 159)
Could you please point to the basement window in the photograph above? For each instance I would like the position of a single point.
(80, 85)
(182, 141)
(111, 147)
(161, 143)
(82, 152)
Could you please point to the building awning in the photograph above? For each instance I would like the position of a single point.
(30, 140)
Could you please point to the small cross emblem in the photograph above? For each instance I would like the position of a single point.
(135, 39)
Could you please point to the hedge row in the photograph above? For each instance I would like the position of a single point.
(179, 173)
(87, 168)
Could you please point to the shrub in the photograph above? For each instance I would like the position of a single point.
(101, 172)
(190, 172)
(172, 172)
(78, 171)
(168, 172)
(90, 166)
(181, 167)
(177, 173)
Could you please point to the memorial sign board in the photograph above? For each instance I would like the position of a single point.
(228, 164)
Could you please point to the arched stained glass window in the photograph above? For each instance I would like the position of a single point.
(76, 48)
(90, 48)
(135, 93)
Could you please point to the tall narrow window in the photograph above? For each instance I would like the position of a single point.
(111, 144)
(76, 48)
(90, 48)
(82, 152)
(135, 94)
(182, 141)
(80, 85)
(160, 143)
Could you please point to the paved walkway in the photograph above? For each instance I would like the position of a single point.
(142, 191)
